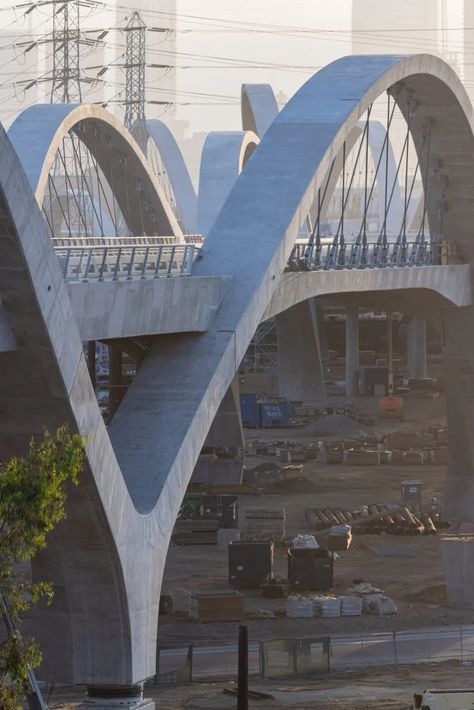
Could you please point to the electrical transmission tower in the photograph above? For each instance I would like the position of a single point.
(66, 86)
(135, 77)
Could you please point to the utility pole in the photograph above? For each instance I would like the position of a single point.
(66, 86)
(135, 61)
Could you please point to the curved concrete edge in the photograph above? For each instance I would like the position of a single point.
(449, 285)
(259, 108)
(126, 309)
(89, 553)
(165, 416)
(177, 172)
(224, 155)
(255, 243)
(37, 134)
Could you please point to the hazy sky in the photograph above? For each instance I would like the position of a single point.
(258, 46)
(221, 44)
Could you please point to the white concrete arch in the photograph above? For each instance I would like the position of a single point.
(139, 469)
(259, 108)
(224, 155)
(177, 172)
(276, 190)
(37, 134)
(251, 241)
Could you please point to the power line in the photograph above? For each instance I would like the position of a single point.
(135, 63)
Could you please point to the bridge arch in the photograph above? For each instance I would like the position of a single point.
(138, 470)
(253, 245)
(37, 135)
(259, 108)
(224, 155)
(177, 172)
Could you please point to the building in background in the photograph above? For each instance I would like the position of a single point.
(468, 46)
(382, 26)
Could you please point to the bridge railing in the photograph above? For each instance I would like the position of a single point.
(122, 262)
(350, 255)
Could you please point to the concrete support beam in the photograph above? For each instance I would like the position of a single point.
(299, 357)
(417, 348)
(226, 429)
(321, 327)
(458, 567)
(352, 350)
(458, 356)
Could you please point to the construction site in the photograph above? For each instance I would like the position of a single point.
(256, 329)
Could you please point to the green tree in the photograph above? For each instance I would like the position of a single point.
(32, 498)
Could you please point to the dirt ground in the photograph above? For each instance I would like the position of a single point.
(408, 569)
(374, 689)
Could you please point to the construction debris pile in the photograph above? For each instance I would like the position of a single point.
(374, 520)
(405, 448)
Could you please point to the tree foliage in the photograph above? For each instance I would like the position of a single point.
(32, 498)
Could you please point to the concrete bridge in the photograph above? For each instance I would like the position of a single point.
(194, 322)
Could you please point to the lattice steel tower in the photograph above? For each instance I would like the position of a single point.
(66, 86)
(135, 74)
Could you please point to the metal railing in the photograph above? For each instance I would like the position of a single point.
(365, 255)
(122, 262)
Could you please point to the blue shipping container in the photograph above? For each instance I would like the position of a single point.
(250, 410)
(275, 414)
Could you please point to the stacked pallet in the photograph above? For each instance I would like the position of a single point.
(326, 606)
(351, 605)
(379, 604)
(217, 606)
(298, 607)
(340, 538)
(195, 532)
(264, 524)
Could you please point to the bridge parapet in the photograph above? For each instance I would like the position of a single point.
(125, 261)
(353, 255)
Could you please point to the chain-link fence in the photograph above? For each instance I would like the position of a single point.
(269, 659)
(279, 658)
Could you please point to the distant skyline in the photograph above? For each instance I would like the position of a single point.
(217, 46)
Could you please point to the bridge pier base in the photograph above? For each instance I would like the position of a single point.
(300, 370)
(417, 348)
(352, 351)
(109, 697)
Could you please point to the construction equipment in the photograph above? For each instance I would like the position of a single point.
(392, 406)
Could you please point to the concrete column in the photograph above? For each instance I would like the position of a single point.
(91, 362)
(458, 567)
(300, 371)
(409, 350)
(115, 379)
(417, 348)
(352, 350)
(226, 432)
(321, 330)
(458, 356)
